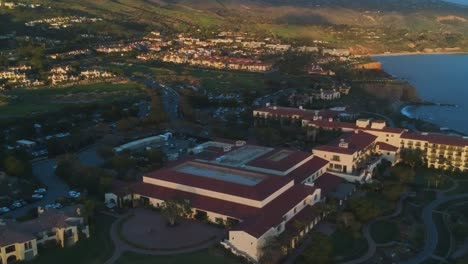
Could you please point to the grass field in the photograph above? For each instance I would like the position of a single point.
(207, 256)
(21, 102)
(346, 247)
(462, 188)
(384, 231)
(95, 250)
(218, 81)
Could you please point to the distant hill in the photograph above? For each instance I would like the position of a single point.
(365, 25)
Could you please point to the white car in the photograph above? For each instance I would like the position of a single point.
(53, 206)
(37, 196)
(17, 204)
(74, 194)
(40, 190)
(4, 210)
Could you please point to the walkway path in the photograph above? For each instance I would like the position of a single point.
(432, 236)
(428, 221)
(121, 247)
(372, 246)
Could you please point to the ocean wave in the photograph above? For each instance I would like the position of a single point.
(406, 111)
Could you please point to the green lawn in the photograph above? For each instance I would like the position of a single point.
(22, 102)
(207, 256)
(462, 188)
(443, 244)
(346, 247)
(384, 231)
(95, 250)
(423, 176)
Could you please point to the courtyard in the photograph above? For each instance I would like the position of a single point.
(147, 229)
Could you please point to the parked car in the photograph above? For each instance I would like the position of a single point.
(74, 194)
(40, 190)
(53, 206)
(17, 204)
(37, 196)
(4, 210)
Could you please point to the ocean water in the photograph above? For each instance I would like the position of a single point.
(438, 79)
(459, 2)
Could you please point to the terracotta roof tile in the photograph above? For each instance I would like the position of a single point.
(327, 183)
(260, 191)
(307, 169)
(437, 139)
(268, 161)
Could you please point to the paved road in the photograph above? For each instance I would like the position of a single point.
(372, 246)
(44, 171)
(432, 236)
(89, 156)
(170, 98)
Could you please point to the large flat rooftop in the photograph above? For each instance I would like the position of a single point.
(242, 155)
(220, 173)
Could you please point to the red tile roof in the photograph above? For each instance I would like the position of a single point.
(306, 216)
(302, 113)
(436, 139)
(267, 161)
(258, 192)
(345, 125)
(327, 183)
(307, 169)
(10, 236)
(272, 214)
(357, 141)
(386, 147)
(256, 221)
(231, 209)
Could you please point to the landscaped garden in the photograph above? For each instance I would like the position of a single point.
(384, 231)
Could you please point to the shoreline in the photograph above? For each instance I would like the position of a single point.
(419, 53)
(405, 111)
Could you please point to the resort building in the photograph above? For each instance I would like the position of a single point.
(259, 191)
(19, 240)
(352, 156)
(438, 150)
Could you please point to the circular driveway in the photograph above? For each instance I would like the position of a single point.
(148, 229)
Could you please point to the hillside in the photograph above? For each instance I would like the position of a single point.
(371, 26)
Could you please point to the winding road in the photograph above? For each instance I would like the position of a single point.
(432, 236)
(367, 235)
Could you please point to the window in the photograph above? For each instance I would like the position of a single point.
(28, 245)
(10, 249)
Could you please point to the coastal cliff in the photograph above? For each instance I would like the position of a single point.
(395, 91)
